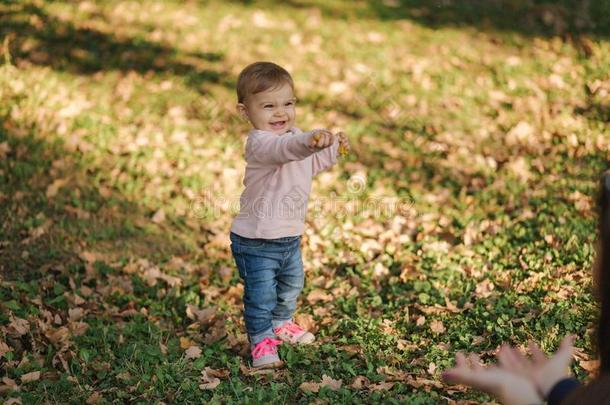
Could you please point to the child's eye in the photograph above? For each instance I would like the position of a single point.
(268, 106)
(290, 103)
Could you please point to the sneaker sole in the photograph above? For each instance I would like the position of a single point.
(306, 341)
(275, 364)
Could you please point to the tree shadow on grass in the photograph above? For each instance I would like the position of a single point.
(527, 17)
(43, 227)
(62, 252)
(39, 38)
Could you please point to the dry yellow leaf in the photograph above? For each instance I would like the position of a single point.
(185, 343)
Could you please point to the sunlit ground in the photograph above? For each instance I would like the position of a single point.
(464, 216)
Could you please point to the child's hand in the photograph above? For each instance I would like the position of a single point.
(321, 139)
(344, 147)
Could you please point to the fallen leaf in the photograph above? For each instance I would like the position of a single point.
(217, 332)
(78, 212)
(437, 327)
(247, 371)
(18, 326)
(54, 187)
(4, 150)
(4, 348)
(185, 343)
(203, 316)
(382, 386)
(193, 352)
(78, 300)
(392, 374)
(327, 381)
(37, 232)
(582, 202)
(208, 380)
(380, 271)
(360, 382)
(153, 273)
(125, 376)
(520, 133)
(235, 293)
(94, 398)
(520, 168)
(78, 328)
(330, 383)
(74, 314)
(484, 288)
(405, 345)
(220, 372)
(318, 296)
(105, 191)
(225, 273)
(477, 340)
(388, 327)
(309, 387)
(306, 321)
(57, 336)
(29, 377)
(87, 256)
(423, 382)
(8, 384)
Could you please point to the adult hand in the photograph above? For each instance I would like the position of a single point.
(508, 387)
(544, 371)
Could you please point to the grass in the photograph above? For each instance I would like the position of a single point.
(122, 165)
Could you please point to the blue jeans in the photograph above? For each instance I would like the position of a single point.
(272, 270)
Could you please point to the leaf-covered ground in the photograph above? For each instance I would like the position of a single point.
(464, 217)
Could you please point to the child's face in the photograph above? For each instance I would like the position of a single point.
(271, 110)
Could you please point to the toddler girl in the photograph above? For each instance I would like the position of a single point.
(266, 235)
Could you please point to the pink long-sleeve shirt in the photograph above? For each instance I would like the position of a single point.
(279, 170)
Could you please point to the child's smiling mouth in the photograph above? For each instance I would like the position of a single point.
(278, 124)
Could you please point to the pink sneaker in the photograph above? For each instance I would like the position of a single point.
(264, 354)
(292, 333)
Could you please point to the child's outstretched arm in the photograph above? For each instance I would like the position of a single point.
(268, 149)
(327, 157)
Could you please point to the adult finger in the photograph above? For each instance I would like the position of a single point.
(475, 362)
(506, 359)
(521, 363)
(563, 356)
(537, 355)
(460, 360)
(461, 373)
(458, 376)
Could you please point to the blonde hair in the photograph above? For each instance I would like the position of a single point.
(261, 76)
